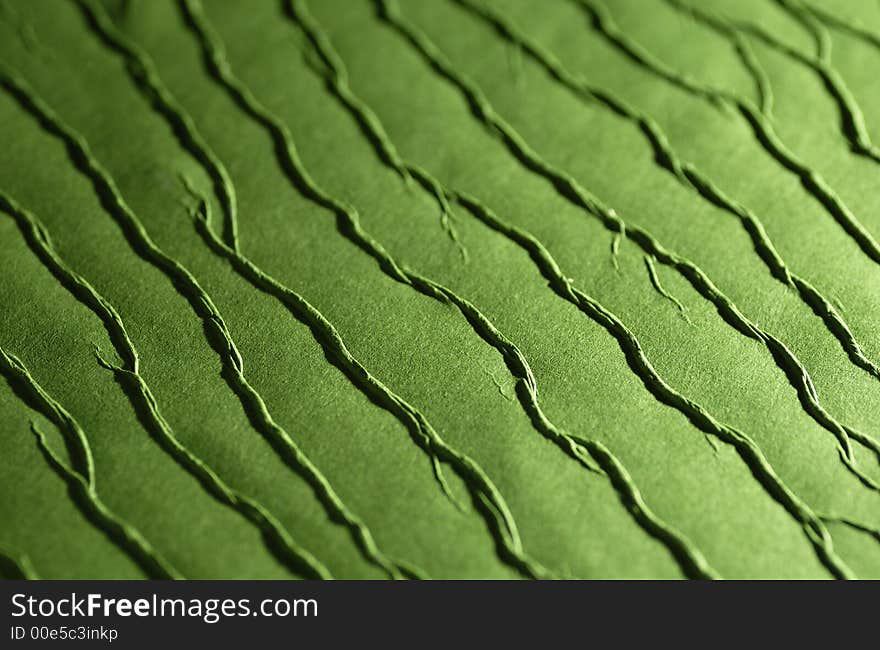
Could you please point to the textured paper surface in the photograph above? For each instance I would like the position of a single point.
(448, 289)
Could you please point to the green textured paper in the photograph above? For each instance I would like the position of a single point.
(440, 288)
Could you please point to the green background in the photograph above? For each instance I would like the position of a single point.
(474, 106)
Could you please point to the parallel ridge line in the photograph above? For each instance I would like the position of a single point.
(286, 548)
(124, 535)
(762, 128)
(690, 177)
(748, 450)
(143, 71)
(742, 47)
(852, 117)
(813, 527)
(486, 496)
(583, 450)
(147, 80)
